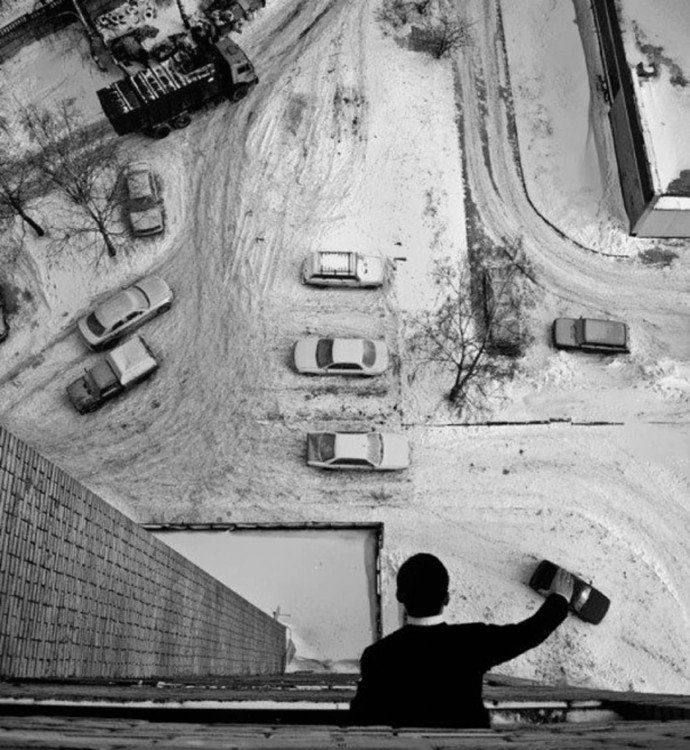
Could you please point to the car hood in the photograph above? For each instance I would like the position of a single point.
(564, 332)
(305, 353)
(396, 450)
(155, 289)
(371, 268)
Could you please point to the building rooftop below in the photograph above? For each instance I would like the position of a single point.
(655, 37)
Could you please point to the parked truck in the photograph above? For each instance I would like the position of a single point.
(120, 369)
(163, 96)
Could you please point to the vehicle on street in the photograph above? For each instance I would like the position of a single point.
(326, 356)
(162, 96)
(591, 335)
(120, 369)
(586, 602)
(377, 451)
(143, 204)
(350, 269)
(124, 311)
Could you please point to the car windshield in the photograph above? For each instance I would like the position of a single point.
(327, 447)
(94, 325)
(368, 353)
(324, 352)
(141, 194)
(375, 448)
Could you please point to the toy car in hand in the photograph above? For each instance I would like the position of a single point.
(586, 602)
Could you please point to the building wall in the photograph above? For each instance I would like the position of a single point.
(86, 592)
(662, 222)
(628, 165)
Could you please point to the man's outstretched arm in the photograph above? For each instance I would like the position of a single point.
(505, 642)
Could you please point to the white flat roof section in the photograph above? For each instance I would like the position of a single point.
(657, 34)
(320, 583)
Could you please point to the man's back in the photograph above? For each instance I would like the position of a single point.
(432, 675)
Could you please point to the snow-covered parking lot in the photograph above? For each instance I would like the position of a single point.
(351, 140)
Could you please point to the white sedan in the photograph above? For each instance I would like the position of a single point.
(378, 451)
(317, 356)
(125, 311)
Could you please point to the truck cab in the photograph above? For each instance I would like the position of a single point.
(241, 73)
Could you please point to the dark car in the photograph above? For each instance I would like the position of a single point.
(143, 202)
(502, 310)
(586, 602)
(591, 335)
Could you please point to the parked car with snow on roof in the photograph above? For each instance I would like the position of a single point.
(125, 311)
(349, 269)
(340, 356)
(377, 451)
(591, 335)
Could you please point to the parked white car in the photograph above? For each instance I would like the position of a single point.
(326, 356)
(125, 311)
(377, 451)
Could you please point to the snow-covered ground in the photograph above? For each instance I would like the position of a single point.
(353, 140)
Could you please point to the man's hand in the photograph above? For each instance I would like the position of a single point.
(562, 584)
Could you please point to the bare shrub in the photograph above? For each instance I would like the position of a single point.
(449, 334)
(17, 180)
(443, 36)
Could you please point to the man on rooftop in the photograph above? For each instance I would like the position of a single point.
(429, 673)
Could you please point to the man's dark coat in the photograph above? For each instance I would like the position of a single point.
(431, 675)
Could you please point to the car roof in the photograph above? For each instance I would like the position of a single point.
(119, 306)
(348, 350)
(352, 445)
(610, 332)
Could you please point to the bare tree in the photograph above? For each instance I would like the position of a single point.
(451, 334)
(17, 180)
(443, 36)
(397, 13)
(81, 163)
